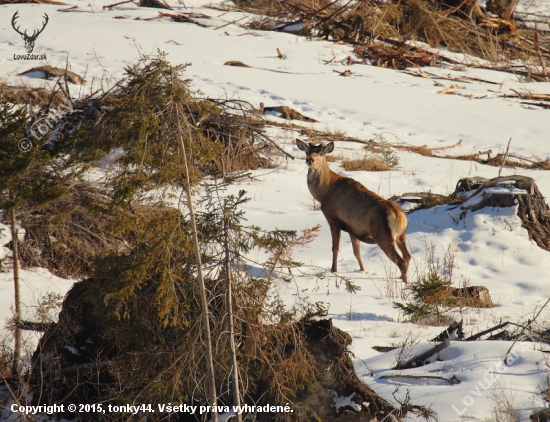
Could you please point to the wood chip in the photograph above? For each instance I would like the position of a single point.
(288, 113)
(447, 91)
(50, 72)
(235, 63)
(345, 73)
(157, 4)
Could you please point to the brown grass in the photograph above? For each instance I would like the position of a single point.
(422, 150)
(372, 163)
(32, 96)
(333, 158)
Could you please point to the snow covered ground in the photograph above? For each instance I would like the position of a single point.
(490, 246)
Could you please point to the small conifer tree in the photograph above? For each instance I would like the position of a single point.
(30, 175)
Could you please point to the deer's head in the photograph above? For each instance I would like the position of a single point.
(29, 39)
(315, 154)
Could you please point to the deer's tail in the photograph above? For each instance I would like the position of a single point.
(397, 222)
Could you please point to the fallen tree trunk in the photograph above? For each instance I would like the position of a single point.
(419, 360)
(489, 330)
(453, 380)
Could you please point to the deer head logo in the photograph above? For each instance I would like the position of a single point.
(29, 39)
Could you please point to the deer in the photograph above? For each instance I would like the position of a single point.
(29, 39)
(349, 206)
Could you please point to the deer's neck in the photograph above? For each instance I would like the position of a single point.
(319, 181)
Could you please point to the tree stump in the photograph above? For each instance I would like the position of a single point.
(473, 296)
(532, 207)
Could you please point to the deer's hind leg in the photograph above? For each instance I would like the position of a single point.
(390, 251)
(402, 245)
(356, 245)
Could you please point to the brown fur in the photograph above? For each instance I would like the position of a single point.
(349, 206)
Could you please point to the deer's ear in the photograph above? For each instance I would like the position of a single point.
(302, 145)
(328, 148)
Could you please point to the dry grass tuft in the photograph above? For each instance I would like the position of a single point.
(371, 163)
(422, 150)
(504, 406)
(333, 158)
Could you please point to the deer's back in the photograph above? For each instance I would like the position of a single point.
(356, 209)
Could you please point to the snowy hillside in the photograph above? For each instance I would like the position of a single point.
(490, 247)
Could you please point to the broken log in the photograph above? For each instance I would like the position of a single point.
(446, 333)
(235, 63)
(501, 335)
(489, 330)
(421, 200)
(469, 183)
(419, 360)
(453, 380)
(384, 349)
(49, 72)
(288, 113)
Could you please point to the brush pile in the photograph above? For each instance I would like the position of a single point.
(134, 125)
(387, 33)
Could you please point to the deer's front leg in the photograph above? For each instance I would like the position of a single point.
(335, 232)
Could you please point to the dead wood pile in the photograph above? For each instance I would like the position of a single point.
(398, 56)
(381, 30)
(239, 127)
